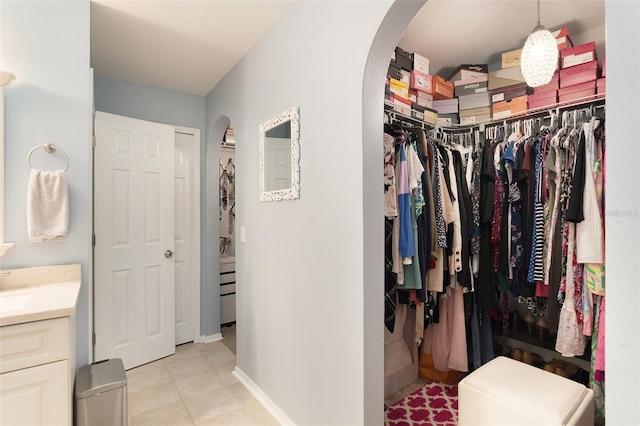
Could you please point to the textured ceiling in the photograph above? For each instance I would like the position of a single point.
(189, 46)
(454, 32)
(186, 46)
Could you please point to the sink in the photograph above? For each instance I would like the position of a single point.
(14, 302)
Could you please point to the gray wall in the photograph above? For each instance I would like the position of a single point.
(300, 271)
(622, 379)
(46, 45)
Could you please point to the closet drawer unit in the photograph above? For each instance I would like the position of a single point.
(226, 289)
(33, 343)
(227, 308)
(227, 267)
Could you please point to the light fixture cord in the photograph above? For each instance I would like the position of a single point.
(538, 12)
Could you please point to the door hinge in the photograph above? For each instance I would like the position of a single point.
(93, 339)
(93, 239)
(93, 141)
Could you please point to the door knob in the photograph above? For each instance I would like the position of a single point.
(168, 254)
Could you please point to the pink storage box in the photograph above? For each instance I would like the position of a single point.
(554, 84)
(421, 81)
(578, 74)
(544, 99)
(601, 86)
(582, 91)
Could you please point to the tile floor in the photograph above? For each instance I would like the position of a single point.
(193, 387)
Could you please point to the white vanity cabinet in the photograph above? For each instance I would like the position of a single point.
(37, 344)
(36, 374)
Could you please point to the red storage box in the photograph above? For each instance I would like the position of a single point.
(601, 86)
(604, 66)
(543, 99)
(577, 55)
(442, 89)
(562, 38)
(582, 91)
(554, 84)
(578, 74)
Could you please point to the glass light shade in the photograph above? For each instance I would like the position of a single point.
(539, 59)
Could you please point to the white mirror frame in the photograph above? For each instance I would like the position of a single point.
(293, 192)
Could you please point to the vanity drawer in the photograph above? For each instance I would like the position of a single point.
(33, 343)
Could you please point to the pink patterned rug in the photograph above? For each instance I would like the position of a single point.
(434, 404)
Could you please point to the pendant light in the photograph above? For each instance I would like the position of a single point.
(539, 59)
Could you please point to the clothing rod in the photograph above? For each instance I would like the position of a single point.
(597, 102)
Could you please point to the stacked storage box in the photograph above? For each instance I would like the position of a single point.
(399, 78)
(411, 86)
(547, 95)
(602, 82)
(578, 73)
(471, 82)
(509, 92)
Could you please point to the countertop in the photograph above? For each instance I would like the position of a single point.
(34, 294)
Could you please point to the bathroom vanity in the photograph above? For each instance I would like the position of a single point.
(37, 344)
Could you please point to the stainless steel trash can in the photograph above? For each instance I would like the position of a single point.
(101, 394)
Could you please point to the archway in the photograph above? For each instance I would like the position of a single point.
(210, 302)
(386, 39)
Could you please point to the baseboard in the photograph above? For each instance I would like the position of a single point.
(262, 398)
(211, 338)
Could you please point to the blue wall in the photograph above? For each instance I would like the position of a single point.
(46, 45)
(149, 103)
(169, 107)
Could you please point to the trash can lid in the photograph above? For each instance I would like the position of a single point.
(100, 377)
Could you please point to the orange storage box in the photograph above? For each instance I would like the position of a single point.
(442, 89)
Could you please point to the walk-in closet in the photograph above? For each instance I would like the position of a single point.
(494, 201)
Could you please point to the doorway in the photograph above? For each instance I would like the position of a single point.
(146, 238)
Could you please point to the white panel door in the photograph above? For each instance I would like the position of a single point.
(184, 175)
(134, 225)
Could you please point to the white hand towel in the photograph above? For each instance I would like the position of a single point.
(47, 206)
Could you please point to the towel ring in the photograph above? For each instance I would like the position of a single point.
(50, 148)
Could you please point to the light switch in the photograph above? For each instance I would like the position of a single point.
(242, 235)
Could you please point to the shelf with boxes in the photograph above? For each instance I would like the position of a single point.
(474, 95)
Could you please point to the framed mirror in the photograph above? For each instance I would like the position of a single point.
(279, 157)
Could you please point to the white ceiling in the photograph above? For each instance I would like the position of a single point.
(189, 46)
(454, 32)
(186, 46)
